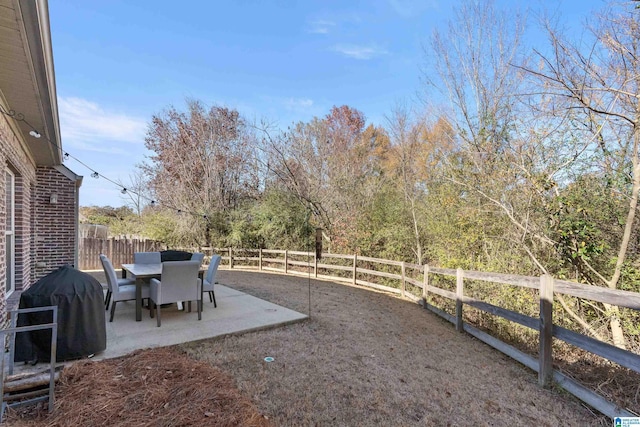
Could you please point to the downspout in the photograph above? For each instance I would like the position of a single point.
(76, 261)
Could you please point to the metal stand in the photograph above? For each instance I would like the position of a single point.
(12, 341)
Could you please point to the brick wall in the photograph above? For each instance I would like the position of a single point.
(14, 157)
(54, 224)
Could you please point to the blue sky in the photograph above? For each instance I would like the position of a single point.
(119, 62)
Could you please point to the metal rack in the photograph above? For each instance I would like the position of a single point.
(11, 331)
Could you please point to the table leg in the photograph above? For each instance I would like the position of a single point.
(201, 277)
(139, 283)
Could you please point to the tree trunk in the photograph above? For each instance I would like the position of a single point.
(416, 233)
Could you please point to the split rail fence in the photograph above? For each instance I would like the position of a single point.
(416, 282)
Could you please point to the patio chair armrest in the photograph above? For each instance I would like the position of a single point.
(155, 290)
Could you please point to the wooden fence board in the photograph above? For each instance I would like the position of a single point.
(529, 322)
(417, 267)
(440, 312)
(414, 282)
(443, 271)
(300, 253)
(528, 361)
(303, 263)
(594, 293)
(442, 292)
(379, 287)
(335, 267)
(508, 279)
(379, 273)
(338, 256)
(589, 397)
(378, 260)
(622, 357)
(119, 251)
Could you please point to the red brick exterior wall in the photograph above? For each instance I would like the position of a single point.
(14, 157)
(45, 233)
(55, 228)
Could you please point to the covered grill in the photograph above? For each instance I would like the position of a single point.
(81, 317)
(172, 255)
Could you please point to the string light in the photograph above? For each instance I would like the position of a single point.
(94, 173)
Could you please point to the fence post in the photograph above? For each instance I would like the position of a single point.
(230, 258)
(545, 357)
(260, 259)
(286, 261)
(315, 265)
(425, 285)
(403, 285)
(355, 268)
(459, 295)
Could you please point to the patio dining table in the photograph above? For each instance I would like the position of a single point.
(143, 272)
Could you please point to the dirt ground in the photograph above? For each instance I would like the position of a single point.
(363, 359)
(367, 358)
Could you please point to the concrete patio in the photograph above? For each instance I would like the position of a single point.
(236, 313)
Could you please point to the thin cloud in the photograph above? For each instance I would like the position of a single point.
(411, 8)
(83, 122)
(359, 51)
(321, 26)
(298, 103)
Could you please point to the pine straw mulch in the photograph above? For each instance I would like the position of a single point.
(159, 387)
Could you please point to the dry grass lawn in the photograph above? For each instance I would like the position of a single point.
(366, 358)
(363, 359)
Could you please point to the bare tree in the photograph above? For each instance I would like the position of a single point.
(328, 165)
(202, 164)
(417, 148)
(138, 194)
(599, 85)
(529, 137)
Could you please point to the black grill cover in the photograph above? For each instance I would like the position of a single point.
(171, 255)
(81, 317)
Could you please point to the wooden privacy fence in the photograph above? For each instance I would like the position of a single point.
(415, 282)
(119, 251)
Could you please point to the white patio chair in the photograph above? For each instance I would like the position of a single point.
(119, 292)
(197, 256)
(121, 282)
(179, 282)
(210, 278)
(147, 258)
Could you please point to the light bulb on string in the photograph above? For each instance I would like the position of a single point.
(94, 174)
